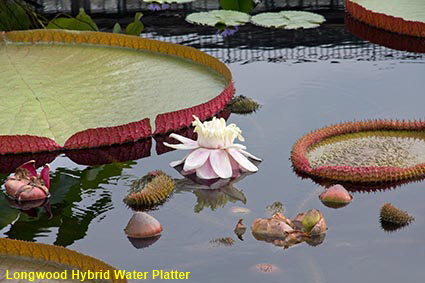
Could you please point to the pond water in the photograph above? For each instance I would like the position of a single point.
(301, 86)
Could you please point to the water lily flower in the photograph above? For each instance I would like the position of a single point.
(154, 7)
(26, 184)
(213, 154)
(158, 7)
(229, 31)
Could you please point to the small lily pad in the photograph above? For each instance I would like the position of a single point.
(288, 20)
(224, 17)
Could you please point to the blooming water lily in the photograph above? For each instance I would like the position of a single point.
(213, 154)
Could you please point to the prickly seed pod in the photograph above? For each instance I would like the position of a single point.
(243, 105)
(335, 196)
(393, 218)
(149, 191)
(142, 225)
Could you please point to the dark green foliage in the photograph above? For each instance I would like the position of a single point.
(136, 27)
(81, 22)
(13, 16)
(237, 5)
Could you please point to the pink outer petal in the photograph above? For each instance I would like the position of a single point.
(243, 162)
(44, 175)
(180, 146)
(206, 171)
(30, 166)
(247, 154)
(196, 159)
(220, 163)
(183, 139)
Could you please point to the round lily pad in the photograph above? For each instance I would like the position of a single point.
(63, 89)
(224, 17)
(401, 16)
(363, 152)
(288, 20)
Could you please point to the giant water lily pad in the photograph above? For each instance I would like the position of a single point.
(288, 20)
(20, 259)
(223, 17)
(87, 89)
(401, 16)
(363, 152)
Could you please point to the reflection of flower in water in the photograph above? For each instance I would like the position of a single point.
(214, 155)
(212, 193)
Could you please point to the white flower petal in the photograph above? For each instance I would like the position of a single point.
(247, 154)
(183, 139)
(176, 163)
(220, 163)
(196, 159)
(242, 160)
(237, 146)
(206, 172)
(180, 146)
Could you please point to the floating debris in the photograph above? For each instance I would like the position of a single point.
(240, 229)
(266, 268)
(393, 218)
(240, 210)
(283, 232)
(243, 105)
(142, 225)
(149, 191)
(226, 241)
(275, 207)
(335, 196)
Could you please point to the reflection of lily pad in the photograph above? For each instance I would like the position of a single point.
(224, 17)
(90, 95)
(25, 257)
(365, 152)
(288, 20)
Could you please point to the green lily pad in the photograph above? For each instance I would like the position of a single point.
(56, 91)
(214, 17)
(288, 20)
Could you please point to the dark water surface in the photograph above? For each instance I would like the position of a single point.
(302, 88)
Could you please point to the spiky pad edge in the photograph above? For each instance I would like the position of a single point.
(383, 37)
(387, 22)
(133, 131)
(369, 174)
(55, 254)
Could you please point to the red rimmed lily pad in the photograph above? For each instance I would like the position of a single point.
(400, 16)
(375, 151)
(71, 90)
